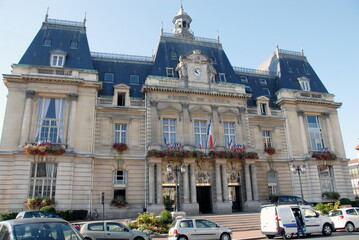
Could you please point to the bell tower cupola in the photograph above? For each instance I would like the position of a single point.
(182, 23)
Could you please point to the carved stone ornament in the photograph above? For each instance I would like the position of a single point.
(181, 68)
(30, 94)
(73, 96)
(300, 113)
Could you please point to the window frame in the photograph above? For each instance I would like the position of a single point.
(57, 60)
(116, 177)
(40, 179)
(170, 72)
(120, 133)
(47, 42)
(106, 75)
(243, 79)
(267, 139)
(169, 130)
(229, 132)
(134, 76)
(222, 77)
(263, 81)
(304, 83)
(315, 133)
(326, 180)
(74, 44)
(200, 137)
(266, 91)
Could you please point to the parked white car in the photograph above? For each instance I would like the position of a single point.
(345, 218)
(280, 221)
(187, 229)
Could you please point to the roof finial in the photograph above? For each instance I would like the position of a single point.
(277, 49)
(161, 28)
(218, 38)
(302, 51)
(85, 19)
(47, 14)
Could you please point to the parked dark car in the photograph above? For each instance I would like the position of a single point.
(289, 200)
(36, 214)
(38, 229)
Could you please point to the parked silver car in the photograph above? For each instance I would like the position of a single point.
(111, 230)
(36, 214)
(38, 228)
(187, 229)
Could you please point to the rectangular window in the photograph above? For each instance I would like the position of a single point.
(244, 79)
(248, 89)
(290, 70)
(174, 55)
(266, 92)
(222, 77)
(315, 133)
(73, 44)
(43, 180)
(263, 108)
(326, 178)
(120, 177)
(120, 133)
(170, 72)
(169, 131)
(263, 81)
(267, 139)
(121, 99)
(50, 120)
(229, 133)
(47, 42)
(134, 79)
(214, 60)
(109, 77)
(200, 134)
(57, 60)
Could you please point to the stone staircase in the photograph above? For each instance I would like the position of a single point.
(235, 221)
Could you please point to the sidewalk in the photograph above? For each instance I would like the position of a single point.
(240, 235)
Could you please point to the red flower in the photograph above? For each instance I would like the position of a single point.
(120, 147)
(269, 150)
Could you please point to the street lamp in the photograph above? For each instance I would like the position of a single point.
(177, 169)
(300, 169)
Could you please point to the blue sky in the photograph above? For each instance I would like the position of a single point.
(249, 30)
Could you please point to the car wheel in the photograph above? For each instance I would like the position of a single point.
(225, 236)
(182, 238)
(349, 227)
(327, 230)
(87, 238)
(270, 236)
(139, 238)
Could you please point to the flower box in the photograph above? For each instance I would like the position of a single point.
(120, 147)
(45, 148)
(38, 203)
(269, 150)
(324, 156)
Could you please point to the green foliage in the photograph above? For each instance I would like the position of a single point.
(147, 218)
(168, 202)
(38, 202)
(326, 207)
(8, 215)
(345, 201)
(165, 217)
(49, 209)
(72, 215)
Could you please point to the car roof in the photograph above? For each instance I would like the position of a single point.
(33, 220)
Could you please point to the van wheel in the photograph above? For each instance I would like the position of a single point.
(349, 227)
(287, 235)
(182, 238)
(270, 236)
(327, 230)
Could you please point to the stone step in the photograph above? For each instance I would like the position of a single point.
(235, 222)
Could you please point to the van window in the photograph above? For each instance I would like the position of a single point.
(309, 213)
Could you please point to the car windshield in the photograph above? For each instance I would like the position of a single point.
(46, 231)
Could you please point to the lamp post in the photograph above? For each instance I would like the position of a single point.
(177, 169)
(300, 169)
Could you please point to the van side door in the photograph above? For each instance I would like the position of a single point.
(286, 219)
(312, 220)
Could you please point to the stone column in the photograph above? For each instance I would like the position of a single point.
(25, 128)
(193, 183)
(242, 112)
(329, 131)
(186, 186)
(151, 183)
(71, 133)
(159, 183)
(155, 118)
(254, 182)
(225, 183)
(218, 183)
(302, 131)
(248, 182)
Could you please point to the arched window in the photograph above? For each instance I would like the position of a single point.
(43, 180)
(120, 177)
(272, 183)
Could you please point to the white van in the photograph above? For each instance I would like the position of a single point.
(280, 221)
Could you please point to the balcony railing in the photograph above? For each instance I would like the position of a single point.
(65, 22)
(54, 72)
(200, 39)
(254, 71)
(121, 57)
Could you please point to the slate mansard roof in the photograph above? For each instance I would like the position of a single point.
(279, 71)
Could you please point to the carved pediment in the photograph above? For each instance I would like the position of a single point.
(121, 86)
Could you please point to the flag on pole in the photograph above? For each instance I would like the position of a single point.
(209, 136)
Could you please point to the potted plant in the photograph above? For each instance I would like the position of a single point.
(120, 147)
(269, 150)
(119, 202)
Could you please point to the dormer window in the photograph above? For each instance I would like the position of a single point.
(248, 89)
(263, 81)
(170, 72)
(222, 77)
(174, 55)
(304, 83)
(266, 92)
(244, 79)
(263, 106)
(214, 60)
(109, 77)
(57, 58)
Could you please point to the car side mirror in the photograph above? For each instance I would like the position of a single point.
(126, 230)
(217, 226)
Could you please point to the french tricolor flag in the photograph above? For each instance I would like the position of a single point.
(210, 136)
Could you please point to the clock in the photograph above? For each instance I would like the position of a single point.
(197, 72)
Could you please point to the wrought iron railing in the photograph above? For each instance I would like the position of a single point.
(200, 39)
(291, 52)
(254, 71)
(65, 22)
(121, 57)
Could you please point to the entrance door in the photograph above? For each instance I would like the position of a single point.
(204, 199)
(235, 196)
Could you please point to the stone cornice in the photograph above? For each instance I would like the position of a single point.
(195, 91)
(306, 101)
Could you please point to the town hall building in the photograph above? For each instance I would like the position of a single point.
(183, 129)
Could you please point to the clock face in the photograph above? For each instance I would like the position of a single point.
(197, 72)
